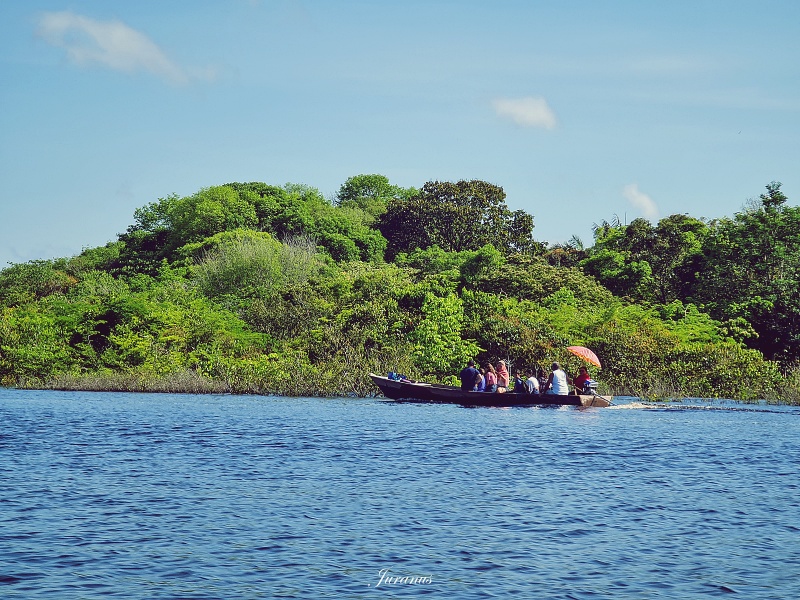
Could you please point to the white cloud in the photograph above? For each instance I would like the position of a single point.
(528, 112)
(641, 201)
(109, 43)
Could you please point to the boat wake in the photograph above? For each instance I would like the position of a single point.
(728, 406)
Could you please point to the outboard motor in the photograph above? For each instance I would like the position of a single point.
(590, 388)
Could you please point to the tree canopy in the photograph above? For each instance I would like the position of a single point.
(370, 194)
(465, 215)
(743, 271)
(251, 287)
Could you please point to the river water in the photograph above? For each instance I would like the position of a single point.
(106, 495)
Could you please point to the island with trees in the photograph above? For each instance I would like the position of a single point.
(265, 289)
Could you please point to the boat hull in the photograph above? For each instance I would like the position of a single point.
(415, 391)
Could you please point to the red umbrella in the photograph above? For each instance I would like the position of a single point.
(585, 354)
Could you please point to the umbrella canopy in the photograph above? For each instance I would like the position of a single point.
(585, 354)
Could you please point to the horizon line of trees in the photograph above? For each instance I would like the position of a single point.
(276, 289)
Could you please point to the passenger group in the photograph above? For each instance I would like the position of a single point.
(489, 379)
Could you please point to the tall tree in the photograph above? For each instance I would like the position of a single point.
(678, 242)
(645, 262)
(750, 271)
(370, 193)
(465, 215)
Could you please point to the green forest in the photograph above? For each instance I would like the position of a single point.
(265, 289)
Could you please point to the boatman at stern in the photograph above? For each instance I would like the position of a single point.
(581, 379)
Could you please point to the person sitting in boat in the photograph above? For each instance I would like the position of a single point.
(532, 384)
(556, 382)
(491, 378)
(519, 383)
(502, 377)
(541, 376)
(580, 380)
(469, 377)
(480, 381)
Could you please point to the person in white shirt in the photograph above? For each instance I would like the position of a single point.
(557, 382)
(532, 384)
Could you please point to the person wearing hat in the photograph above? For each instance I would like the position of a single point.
(556, 382)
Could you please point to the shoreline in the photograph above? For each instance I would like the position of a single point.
(190, 382)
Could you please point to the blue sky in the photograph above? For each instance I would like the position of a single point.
(580, 110)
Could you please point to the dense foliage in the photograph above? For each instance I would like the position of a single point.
(742, 271)
(254, 288)
(456, 216)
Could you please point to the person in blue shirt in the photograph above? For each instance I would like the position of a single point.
(469, 377)
(481, 385)
(519, 384)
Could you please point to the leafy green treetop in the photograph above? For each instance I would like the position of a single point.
(465, 215)
(370, 194)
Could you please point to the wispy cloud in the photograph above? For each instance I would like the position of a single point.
(528, 112)
(112, 44)
(670, 65)
(641, 201)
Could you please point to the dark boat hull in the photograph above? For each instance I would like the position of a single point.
(428, 392)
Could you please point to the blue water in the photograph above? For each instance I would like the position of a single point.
(179, 496)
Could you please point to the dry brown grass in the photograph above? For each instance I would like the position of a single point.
(182, 382)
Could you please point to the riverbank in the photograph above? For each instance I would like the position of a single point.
(191, 382)
(182, 382)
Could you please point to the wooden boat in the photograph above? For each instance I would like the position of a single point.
(417, 391)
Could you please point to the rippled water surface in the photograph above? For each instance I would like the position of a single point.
(180, 496)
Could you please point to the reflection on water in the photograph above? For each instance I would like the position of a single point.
(173, 496)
